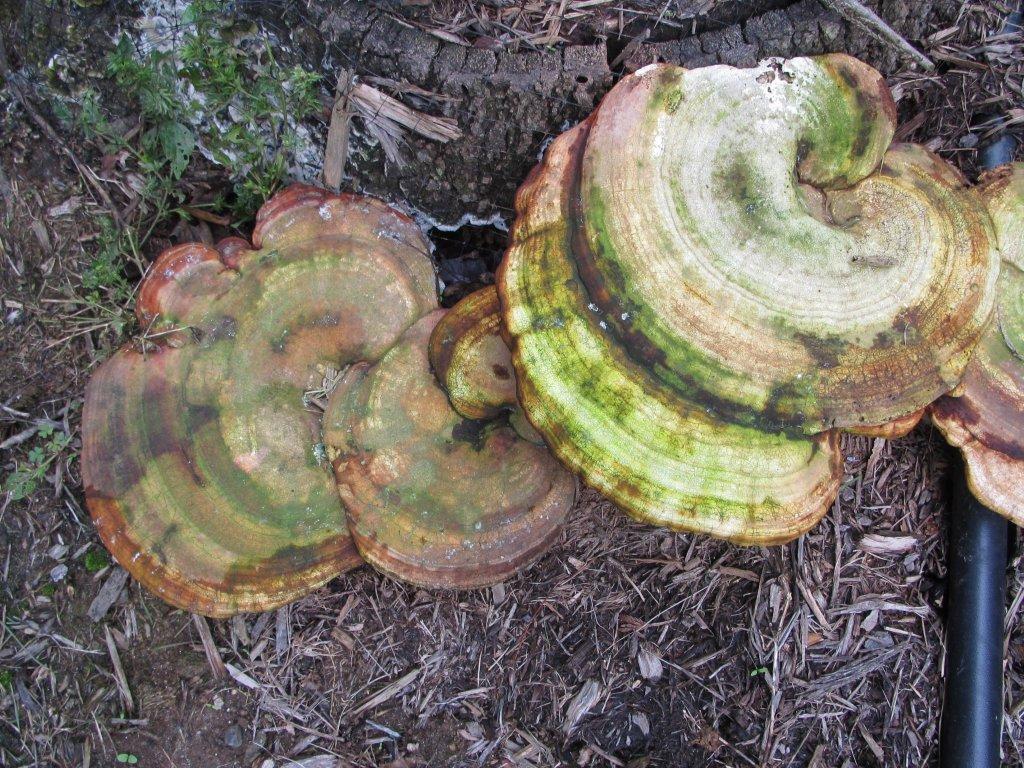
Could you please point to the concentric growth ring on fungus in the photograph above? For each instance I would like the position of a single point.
(432, 497)
(750, 236)
(660, 457)
(200, 456)
(471, 359)
(720, 263)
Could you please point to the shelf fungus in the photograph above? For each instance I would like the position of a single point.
(433, 497)
(472, 361)
(718, 269)
(206, 472)
(663, 458)
(198, 453)
(985, 418)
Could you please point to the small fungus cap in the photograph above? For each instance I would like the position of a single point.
(471, 359)
(986, 419)
(665, 459)
(432, 497)
(199, 455)
(752, 238)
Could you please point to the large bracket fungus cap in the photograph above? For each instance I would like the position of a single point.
(434, 498)
(199, 455)
(663, 458)
(986, 418)
(751, 237)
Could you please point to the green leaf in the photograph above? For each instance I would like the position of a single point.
(62, 112)
(122, 59)
(20, 484)
(189, 16)
(91, 120)
(177, 142)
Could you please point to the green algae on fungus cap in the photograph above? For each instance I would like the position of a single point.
(199, 456)
(434, 498)
(985, 418)
(664, 459)
(753, 238)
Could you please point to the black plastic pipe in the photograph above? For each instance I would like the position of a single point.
(972, 713)
(972, 709)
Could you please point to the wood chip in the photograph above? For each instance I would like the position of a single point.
(584, 701)
(886, 544)
(318, 761)
(739, 573)
(42, 235)
(241, 678)
(66, 208)
(388, 119)
(209, 647)
(812, 603)
(108, 594)
(336, 151)
(872, 744)
(282, 631)
(851, 672)
(650, 664)
(389, 691)
(119, 676)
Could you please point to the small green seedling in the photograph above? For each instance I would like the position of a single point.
(26, 477)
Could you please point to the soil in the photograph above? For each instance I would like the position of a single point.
(674, 650)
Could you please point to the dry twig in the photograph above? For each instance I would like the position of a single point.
(388, 119)
(336, 150)
(876, 25)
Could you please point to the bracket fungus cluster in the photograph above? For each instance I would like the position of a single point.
(984, 416)
(200, 457)
(720, 268)
(709, 279)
